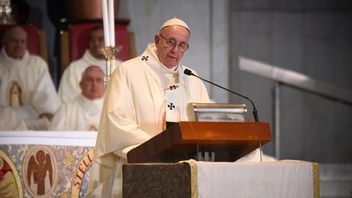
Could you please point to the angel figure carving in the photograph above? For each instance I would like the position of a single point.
(40, 171)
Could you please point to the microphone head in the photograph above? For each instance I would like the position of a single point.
(188, 72)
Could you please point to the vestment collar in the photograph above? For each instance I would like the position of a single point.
(92, 60)
(91, 106)
(9, 61)
(164, 76)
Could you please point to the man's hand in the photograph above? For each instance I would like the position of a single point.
(49, 116)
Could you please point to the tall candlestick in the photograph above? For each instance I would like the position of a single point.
(106, 23)
(112, 23)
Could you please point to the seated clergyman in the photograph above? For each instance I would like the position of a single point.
(69, 85)
(26, 85)
(83, 113)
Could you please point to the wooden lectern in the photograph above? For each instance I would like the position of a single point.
(182, 141)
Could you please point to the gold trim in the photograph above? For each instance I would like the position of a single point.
(43, 46)
(316, 180)
(15, 173)
(64, 51)
(79, 173)
(194, 178)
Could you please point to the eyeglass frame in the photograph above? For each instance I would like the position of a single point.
(171, 42)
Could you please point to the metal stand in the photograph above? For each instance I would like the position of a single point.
(110, 57)
(260, 151)
(277, 119)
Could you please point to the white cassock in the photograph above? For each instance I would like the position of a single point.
(79, 114)
(27, 87)
(10, 121)
(134, 111)
(69, 85)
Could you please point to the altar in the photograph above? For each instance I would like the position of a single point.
(56, 164)
(45, 163)
(288, 178)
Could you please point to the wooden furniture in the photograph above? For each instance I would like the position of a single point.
(228, 140)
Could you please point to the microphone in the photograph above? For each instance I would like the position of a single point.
(255, 112)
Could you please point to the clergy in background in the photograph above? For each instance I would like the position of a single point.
(26, 85)
(143, 95)
(69, 87)
(83, 113)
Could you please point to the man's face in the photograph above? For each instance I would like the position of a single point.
(96, 42)
(92, 84)
(171, 44)
(15, 43)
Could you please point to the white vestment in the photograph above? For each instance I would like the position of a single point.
(134, 111)
(79, 114)
(69, 84)
(27, 87)
(10, 121)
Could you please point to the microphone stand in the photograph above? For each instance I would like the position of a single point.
(255, 112)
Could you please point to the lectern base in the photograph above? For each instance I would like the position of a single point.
(157, 180)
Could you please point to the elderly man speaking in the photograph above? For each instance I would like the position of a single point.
(144, 95)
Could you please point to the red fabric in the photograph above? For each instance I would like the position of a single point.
(33, 40)
(4, 169)
(78, 35)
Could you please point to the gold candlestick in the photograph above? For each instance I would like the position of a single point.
(110, 57)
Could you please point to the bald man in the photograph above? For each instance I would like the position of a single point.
(83, 113)
(26, 85)
(144, 95)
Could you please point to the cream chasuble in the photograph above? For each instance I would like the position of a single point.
(79, 114)
(27, 87)
(69, 85)
(135, 110)
(10, 121)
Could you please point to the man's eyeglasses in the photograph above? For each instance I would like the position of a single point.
(171, 42)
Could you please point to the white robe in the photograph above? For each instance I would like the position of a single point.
(80, 114)
(134, 111)
(69, 84)
(10, 121)
(37, 95)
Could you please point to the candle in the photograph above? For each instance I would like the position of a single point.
(106, 23)
(112, 23)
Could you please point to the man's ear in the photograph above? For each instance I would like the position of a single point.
(80, 84)
(156, 39)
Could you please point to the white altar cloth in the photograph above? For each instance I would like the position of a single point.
(62, 138)
(287, 178)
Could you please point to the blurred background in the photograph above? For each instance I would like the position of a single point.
(310, 37)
